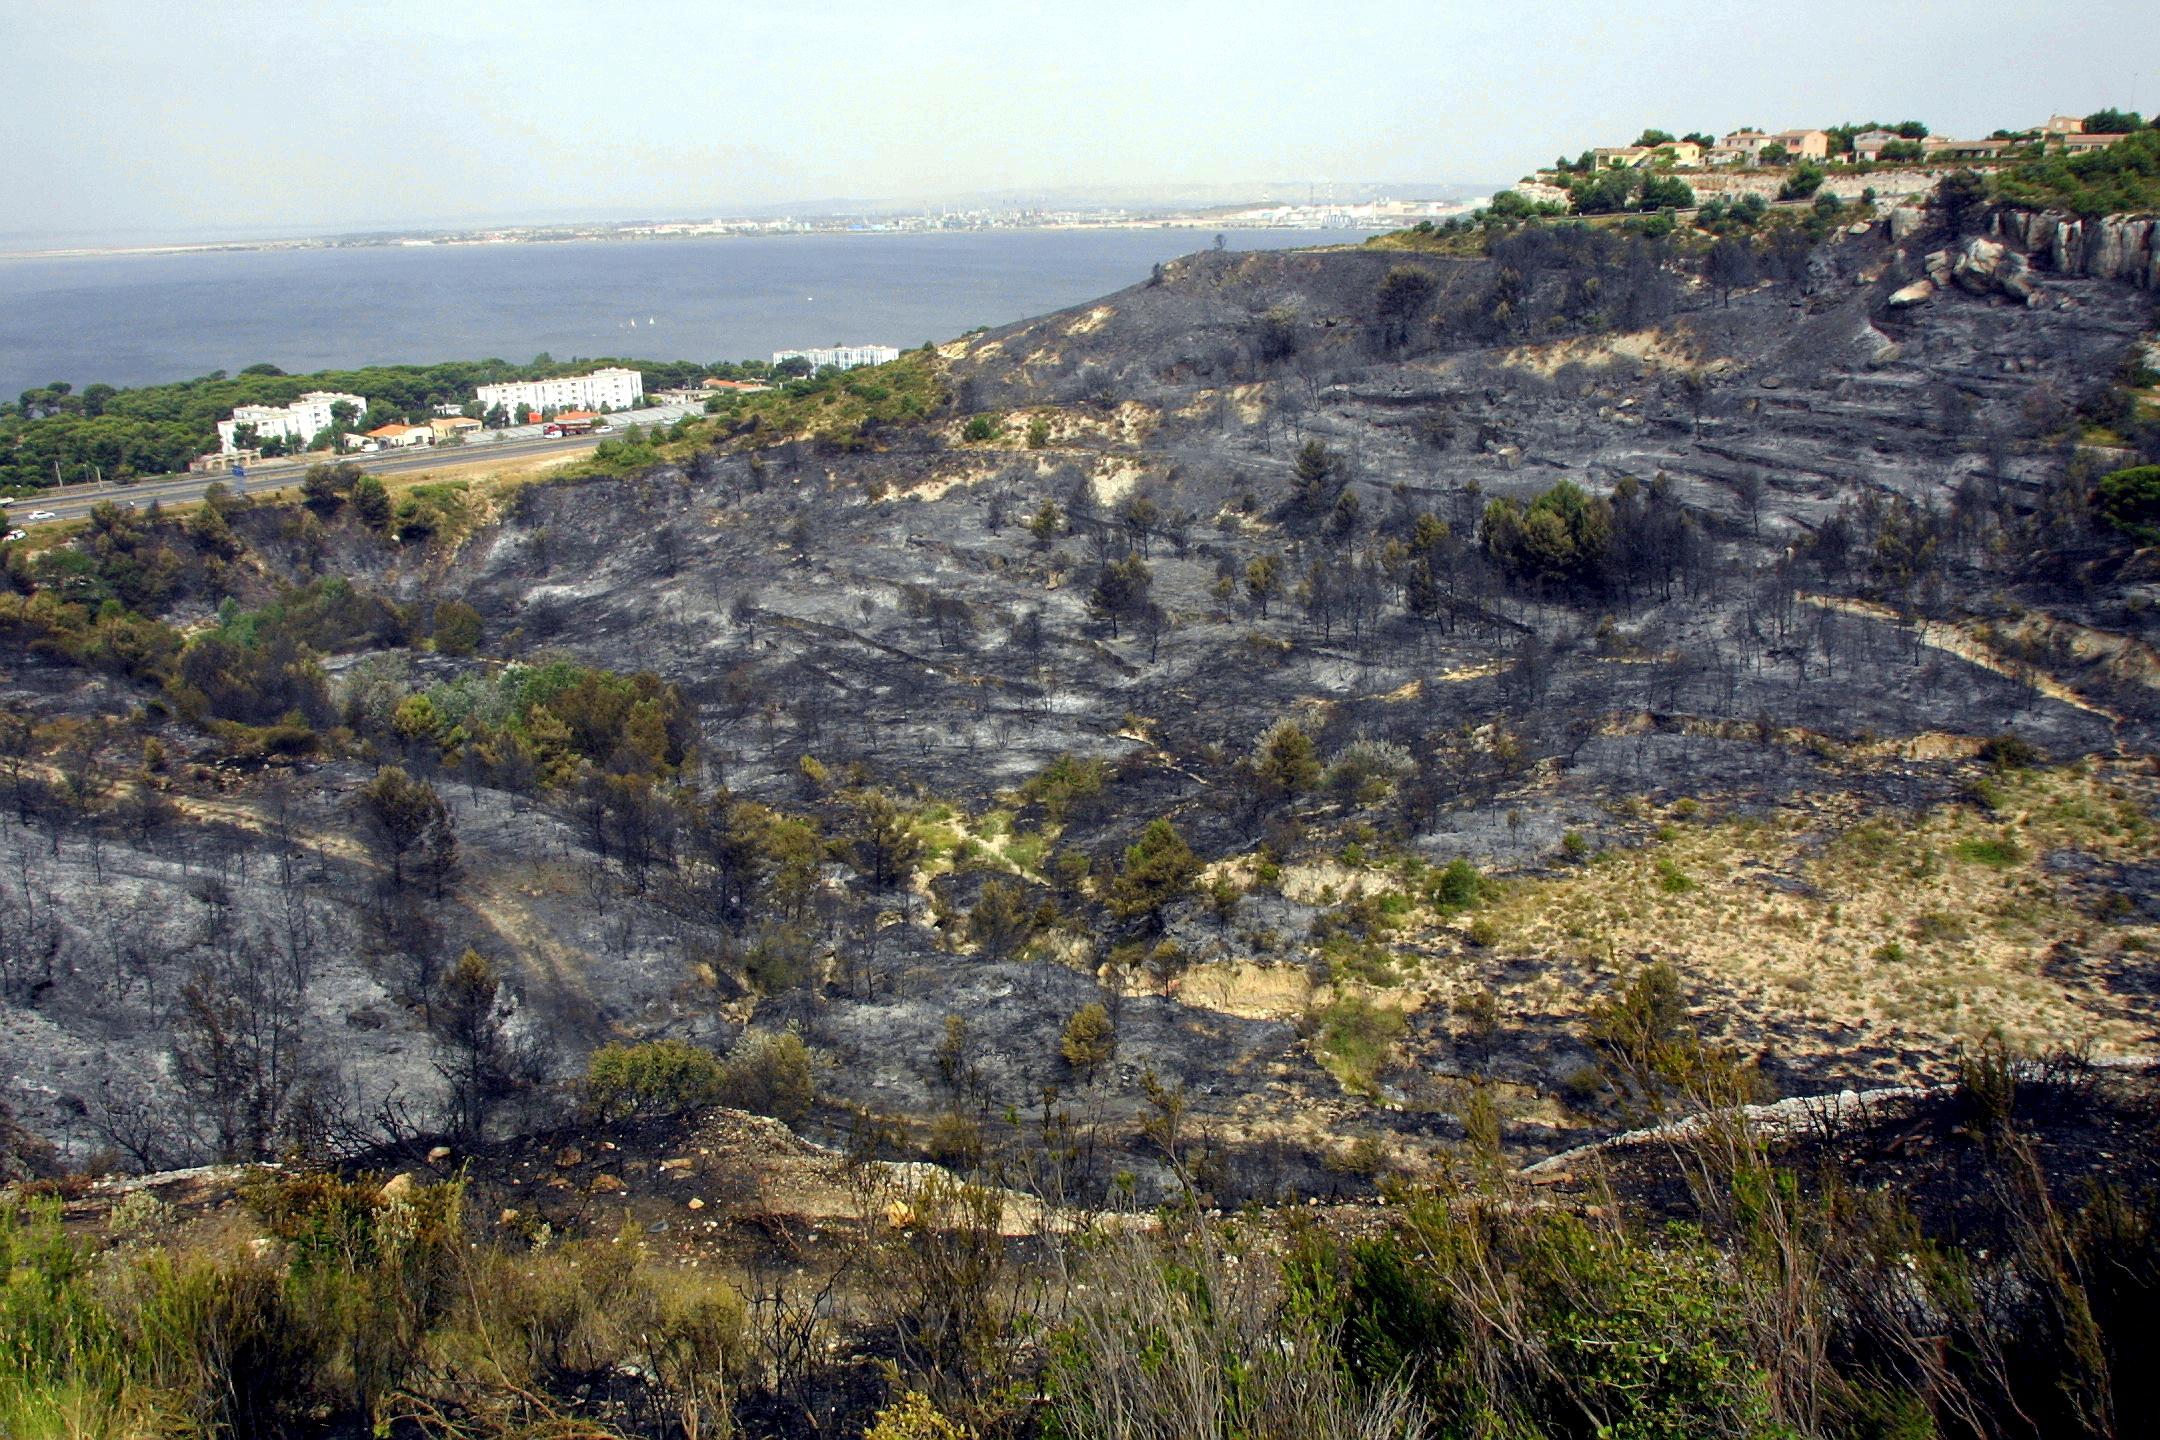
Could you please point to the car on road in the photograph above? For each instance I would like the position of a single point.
(43, 515)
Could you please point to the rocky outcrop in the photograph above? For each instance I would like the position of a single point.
(1537, 192)
(1978, 267)
(2113, 247)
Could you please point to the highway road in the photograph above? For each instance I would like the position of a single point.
(76, 501)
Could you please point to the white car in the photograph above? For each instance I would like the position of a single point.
(18, 534)
(43, 515)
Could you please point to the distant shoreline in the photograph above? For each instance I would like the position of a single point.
(713, 230)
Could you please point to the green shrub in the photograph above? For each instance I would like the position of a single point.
(1367, 771)
(980, 428)
(913, 1417)
(457, 628)
(773, 1074)
(1066, 787)
(1650, 1339)
(1355, 1037)
(660, 1077)
(1559, 538)
(1177, 1338)
(2009, 751)
(1996, 854)
(371, 502)
(248, 1349)
(1158, 870)
(1089, 1039)
(1633, 1337)
(63, 1363)
(1804, 181)
(2129, 500)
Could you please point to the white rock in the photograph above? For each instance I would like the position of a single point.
(1917, 293)
(1979, 266)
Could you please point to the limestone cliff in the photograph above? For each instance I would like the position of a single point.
(2113, 247)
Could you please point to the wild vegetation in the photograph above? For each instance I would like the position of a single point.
(2123, 179)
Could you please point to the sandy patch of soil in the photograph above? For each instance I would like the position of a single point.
(1245, 988)
(1114, 479)
(1089, 323)
(1653, 347)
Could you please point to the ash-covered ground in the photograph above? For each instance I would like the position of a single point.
(1834, 547)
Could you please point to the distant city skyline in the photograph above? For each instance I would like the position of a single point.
(170, 119)
(820, 212)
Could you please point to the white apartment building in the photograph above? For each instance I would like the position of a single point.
(610, 389)
(841, 357)
(302, 420)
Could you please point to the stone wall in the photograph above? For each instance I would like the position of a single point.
(1887, 184)
(1731, 185)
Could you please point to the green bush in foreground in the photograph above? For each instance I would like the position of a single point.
(1632, 1340)
(363, 1309)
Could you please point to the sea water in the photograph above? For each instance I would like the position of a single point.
(141, 319)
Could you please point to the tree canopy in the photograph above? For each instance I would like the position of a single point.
(1559, 537)
(1159, 869)
(2129, 500)
(2113, 122)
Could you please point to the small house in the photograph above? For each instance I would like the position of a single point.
(397, 436)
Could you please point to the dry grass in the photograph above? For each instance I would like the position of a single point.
(1827, 924)
(1941, 925)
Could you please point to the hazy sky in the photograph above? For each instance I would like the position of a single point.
(229, 115)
